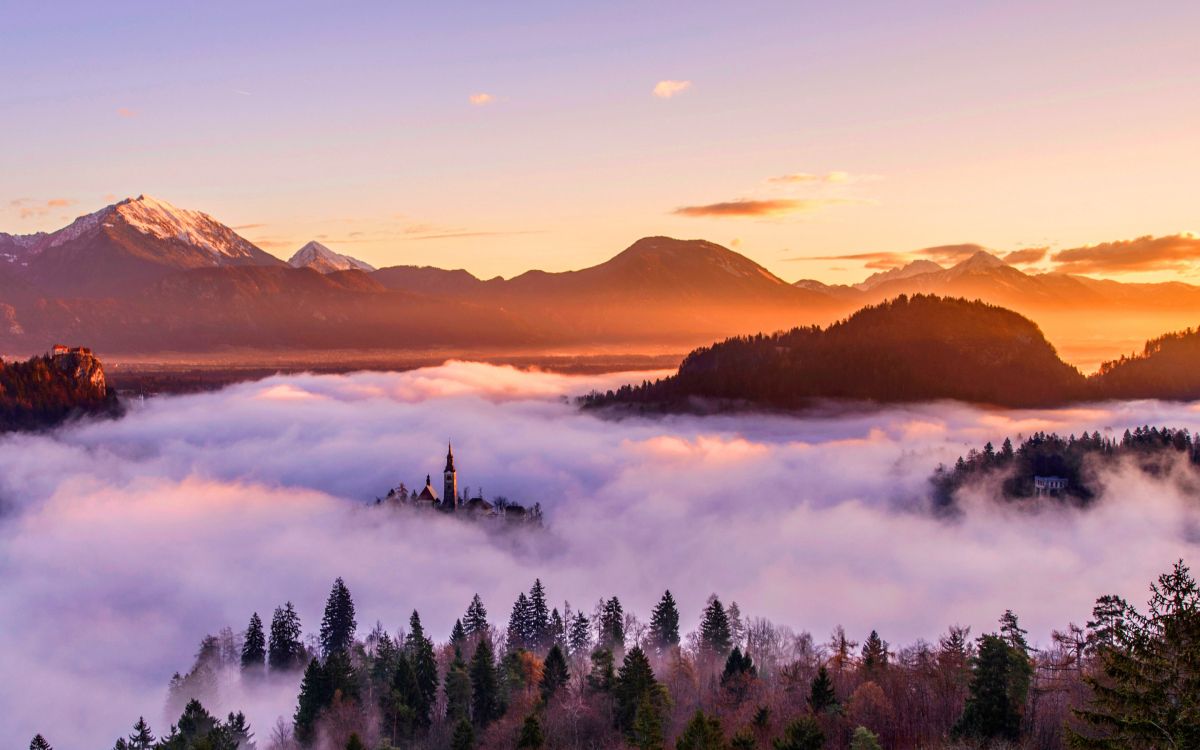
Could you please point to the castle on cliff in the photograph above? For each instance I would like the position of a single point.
(452, 500)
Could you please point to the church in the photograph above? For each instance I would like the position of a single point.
(452, 500)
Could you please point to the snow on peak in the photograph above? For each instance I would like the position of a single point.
(915, 268)
(160, 219)
(980, 260)
(316, 256)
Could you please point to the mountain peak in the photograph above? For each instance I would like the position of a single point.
(320, 258)
(980, 260)
(915, 268)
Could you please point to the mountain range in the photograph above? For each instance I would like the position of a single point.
(143, 276)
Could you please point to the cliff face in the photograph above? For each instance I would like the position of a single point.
(47, 390)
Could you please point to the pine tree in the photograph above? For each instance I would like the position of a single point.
(579, 638)
(738, 675)
(530, 736)
(821, 696)
(554, 673)
(874, 654)
(801, 734)
(425, 671)
(715, 638)
(539, 618)
(485, 698)
(338, 624)
(1147, 689)
(458, 635)
(383, 661)
(603, 672)
(457, 688)
(612, 625)
(702, 732)
(475, 621)
(558, 629)
(737, 628)
(999, 685)
(464, 736)
(237, 731)
(284, 649)
(647, 730)
(664, 624)
(39, 743)
(315, 694)
(520, 625)
(141, 738)
(355, 742)
(1012, 632)
(402, 700)
(254, 647)
(635, 681)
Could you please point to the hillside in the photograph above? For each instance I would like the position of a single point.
(1168, 367)
(47, 390)
(907, 349)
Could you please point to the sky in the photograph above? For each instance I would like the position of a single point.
(502, 137)
(123, 543)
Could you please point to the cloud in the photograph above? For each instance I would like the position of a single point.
(950, 254)
(126, 112)
(131, 531)
(667, 89)
(748, 207)
(241, 227)
(881, 260)
(1025, 256)
(481, 99)
(29, 208)
(1171, 252)
(808, 177)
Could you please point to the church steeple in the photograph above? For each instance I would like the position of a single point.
(450, 482)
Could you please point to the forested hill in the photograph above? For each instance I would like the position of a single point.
(907, 349)
(47, 390)
(1168, 368)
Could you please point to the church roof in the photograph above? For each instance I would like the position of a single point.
(428, 493)
(449, 457)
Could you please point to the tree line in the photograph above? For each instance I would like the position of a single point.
(566, 678)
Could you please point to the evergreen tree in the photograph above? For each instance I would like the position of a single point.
(539, 618)
(864, 739)
(475, 621)
(39, 743)
(254, 647)
(464, 736)
(237, 730)
(1111, 619)
(737, 628)
(647, 730)
(635, 682)
(821, 695)
(458, 635)
(485, 697)
(612, 625)
(602, 676)
(874, 654)
(664, 624)
(558, 629)
(801, 734)
(579, 637)
(141, 738)
(1146, 693)
(315, 694)
(1012, 632)
(530, 736)
(338, 624)
(715, 638)
(554, 672)
(702, 732)
(284, 648)
(383, 661)
(401, 702)
(999, 685)
(355, 742)
(738, 675)
(458, 690)
(425, 670)
(520, 625)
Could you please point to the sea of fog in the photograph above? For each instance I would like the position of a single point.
(123, 543)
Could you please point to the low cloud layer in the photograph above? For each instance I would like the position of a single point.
(123, 543)
(749, 208)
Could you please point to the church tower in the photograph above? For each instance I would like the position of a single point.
(450, 483)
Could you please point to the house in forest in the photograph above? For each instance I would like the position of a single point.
(1049, 485)
(455, 501)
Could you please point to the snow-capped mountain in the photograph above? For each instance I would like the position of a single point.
(316, 256)
(916, 268)
(128, 243)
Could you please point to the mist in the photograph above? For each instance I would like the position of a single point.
(123, 543)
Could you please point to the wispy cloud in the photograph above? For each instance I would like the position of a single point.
(875, 261)
(1026, 256)
(126, 112)
(667, 89)
(27, 208)
(1172, 252)
(240, 227)
(742, 208)
(809, 177)
(951, 254)
(481, 99)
